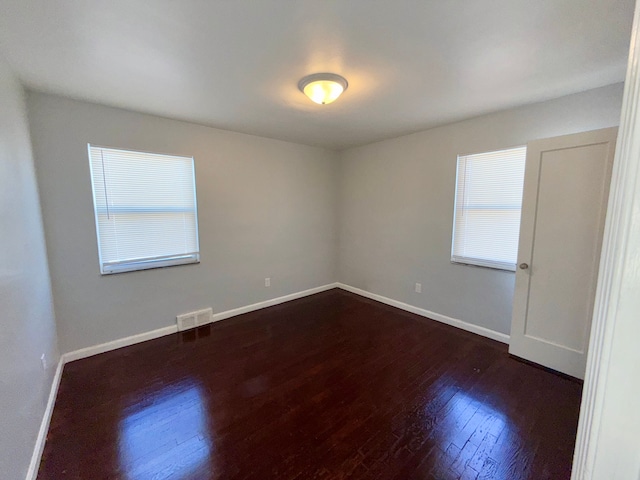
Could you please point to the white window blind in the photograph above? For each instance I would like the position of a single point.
(145, 208)
(488, 200)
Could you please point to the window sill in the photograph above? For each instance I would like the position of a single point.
(468, 262)
(149, 264)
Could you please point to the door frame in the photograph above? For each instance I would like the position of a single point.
(595, 451)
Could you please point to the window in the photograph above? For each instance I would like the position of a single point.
(488, 200)
(145, 207)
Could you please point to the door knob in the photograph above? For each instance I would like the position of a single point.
(524, 266)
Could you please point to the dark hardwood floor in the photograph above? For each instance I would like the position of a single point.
(330, 386)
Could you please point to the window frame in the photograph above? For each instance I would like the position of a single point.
(481, 262)
(111, 268)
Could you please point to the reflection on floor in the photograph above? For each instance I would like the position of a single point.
(174, 416)
(326, 387)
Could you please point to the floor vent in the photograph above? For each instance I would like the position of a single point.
(194, 319)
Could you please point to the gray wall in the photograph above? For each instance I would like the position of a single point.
(26, 313)
(397, 198)
(266, 208)
(274, 209)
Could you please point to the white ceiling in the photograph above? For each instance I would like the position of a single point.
(411, 64)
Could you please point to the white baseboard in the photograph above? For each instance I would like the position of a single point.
(160, 332)
(121, 342)
(32, 472)
(274, 301)
(454, 322)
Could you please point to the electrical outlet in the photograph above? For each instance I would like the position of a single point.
(267, 282)
(418, 288)
(43, 360)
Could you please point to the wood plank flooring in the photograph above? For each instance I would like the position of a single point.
(331, 386)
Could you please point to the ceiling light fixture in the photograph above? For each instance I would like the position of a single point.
(323, 88)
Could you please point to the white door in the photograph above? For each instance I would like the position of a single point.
(564, 204)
